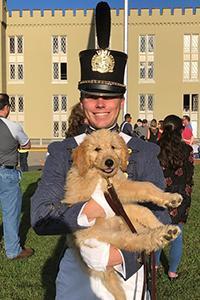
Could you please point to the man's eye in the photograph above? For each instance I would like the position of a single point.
(97, 149)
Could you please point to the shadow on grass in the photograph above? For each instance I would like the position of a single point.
(25, 219)
(164, 262)
(50, 269)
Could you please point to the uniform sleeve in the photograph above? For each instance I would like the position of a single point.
(48, 215)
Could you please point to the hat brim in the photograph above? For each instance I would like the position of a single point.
(99, 89)
(101, 94)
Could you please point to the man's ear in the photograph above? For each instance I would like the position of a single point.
(122, 102)
(80, 159)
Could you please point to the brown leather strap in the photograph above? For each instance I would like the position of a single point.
(117, 207)
(153, 277)
(114, 202)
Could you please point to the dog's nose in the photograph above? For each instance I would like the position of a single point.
(109, 162)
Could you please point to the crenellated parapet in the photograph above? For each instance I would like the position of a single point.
(83, 17)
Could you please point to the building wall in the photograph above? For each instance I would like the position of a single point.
(37, 29)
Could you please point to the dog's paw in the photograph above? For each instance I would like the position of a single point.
(172, 232)
(173, 200)
(163, 235)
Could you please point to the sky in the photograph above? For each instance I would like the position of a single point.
(73, 4)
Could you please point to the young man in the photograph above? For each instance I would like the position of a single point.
(126, 126)
(12, 135)
(102, 91)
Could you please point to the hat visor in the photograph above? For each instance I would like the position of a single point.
(101, 94)
(102, 90)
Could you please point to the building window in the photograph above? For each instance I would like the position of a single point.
(190, 103)
(146, 106)
(59, 58)
(16, 72)
(17, 108)
(59, 107)
(16, 44)
(145, 102)
(191, 57)
(16, 58)
(146, 57)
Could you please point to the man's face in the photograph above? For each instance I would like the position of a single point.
(185, 121)
(101, 112)
(5, 111)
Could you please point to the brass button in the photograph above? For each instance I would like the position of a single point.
(126, 174)
(130, 150)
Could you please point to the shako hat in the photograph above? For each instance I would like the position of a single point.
(102, 69)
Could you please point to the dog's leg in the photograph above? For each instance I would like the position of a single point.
(131, 191)
(141, 217)
(116, 233)
(112, 283)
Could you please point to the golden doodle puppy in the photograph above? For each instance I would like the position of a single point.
(102, 155)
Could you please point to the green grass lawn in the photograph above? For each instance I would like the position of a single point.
(34, 278)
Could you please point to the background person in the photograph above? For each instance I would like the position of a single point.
(153, 132)
(187, 133)
(102, 97)
(77, 122)
(176, 159)
(23, 159)
(141, 131)
(12, 135)
(126, 126)
(160, 128)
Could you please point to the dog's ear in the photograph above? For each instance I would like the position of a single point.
(124, 155)
(80, 159)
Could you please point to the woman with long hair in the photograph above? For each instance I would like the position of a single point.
(176, 160)
(77, 123)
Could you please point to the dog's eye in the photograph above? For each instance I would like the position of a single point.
(113, 147)
(97, 149)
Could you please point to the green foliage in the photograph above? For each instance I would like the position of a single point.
(34, 278)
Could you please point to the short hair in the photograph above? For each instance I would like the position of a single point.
(4, 100)
(139, 120)
(187, 118)
(126, 116)
(144, 121)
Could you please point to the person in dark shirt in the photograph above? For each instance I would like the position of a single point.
(153, 132)
(176, 159)
(126, 126)
(12, 137)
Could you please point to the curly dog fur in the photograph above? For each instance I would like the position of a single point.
(104, 154)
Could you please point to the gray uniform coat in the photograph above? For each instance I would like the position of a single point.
(50, 217)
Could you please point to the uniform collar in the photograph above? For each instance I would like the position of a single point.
(90, 129)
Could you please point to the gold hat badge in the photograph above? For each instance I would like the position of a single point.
(103, 61)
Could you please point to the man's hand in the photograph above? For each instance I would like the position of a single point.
(97, 206)
(99, 255)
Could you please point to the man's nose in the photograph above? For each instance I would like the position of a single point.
(100, 102)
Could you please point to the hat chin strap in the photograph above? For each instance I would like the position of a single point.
(109, 128)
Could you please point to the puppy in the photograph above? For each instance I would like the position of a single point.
(104, 155)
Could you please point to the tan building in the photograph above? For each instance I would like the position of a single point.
(39, 65)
